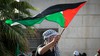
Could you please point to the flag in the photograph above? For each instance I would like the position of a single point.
(64, 17)
(26, 22)
(60, 13)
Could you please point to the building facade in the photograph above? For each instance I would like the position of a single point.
(82, 34)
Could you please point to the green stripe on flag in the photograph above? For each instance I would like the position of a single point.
(56, 17)
(31, 22)
(9, 21)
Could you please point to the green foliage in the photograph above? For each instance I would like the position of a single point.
(11, 35)
(8, 8)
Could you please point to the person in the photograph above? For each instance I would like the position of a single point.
(76, 53)
(84, 54)
(21, 54)
(98, 52)
(33, 52)
(50, 45)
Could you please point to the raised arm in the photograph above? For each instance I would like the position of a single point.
(45, 48)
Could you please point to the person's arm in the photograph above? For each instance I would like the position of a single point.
(45, 48)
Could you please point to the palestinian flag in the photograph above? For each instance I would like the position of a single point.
(60, 13)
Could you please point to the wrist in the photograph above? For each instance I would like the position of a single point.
(53, 42)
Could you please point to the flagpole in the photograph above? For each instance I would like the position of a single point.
(62, 31)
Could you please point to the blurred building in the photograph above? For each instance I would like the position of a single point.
(82, 34)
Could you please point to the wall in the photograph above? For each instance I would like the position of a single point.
(82, 34)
